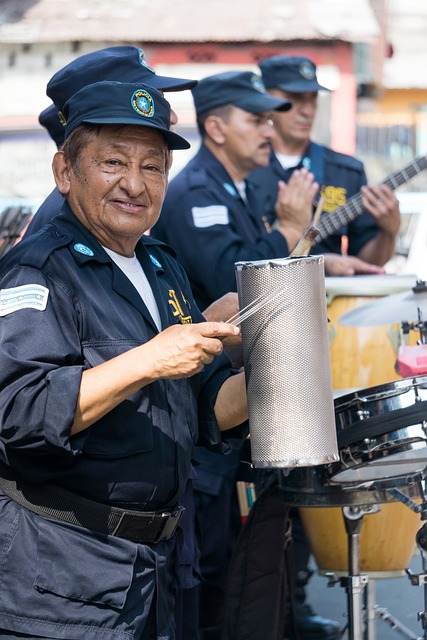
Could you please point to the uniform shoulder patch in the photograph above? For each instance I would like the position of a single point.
(27, 296)
(209, 216)
(197, 177)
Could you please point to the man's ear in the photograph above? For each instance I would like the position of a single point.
(214, 127)
(61, 172)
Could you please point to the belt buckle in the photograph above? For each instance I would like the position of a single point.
(170, 524)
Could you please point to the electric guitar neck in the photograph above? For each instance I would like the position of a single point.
(353, 208)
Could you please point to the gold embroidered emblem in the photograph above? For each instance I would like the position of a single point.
(177, 310)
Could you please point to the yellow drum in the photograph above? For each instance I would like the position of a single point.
(387, 539)
(362, 357)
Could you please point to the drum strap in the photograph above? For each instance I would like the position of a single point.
(385, 423)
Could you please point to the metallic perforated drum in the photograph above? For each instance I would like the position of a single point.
(287, 362)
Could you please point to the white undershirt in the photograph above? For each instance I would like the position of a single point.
(241, 188)
(131, 267)
(288, 162)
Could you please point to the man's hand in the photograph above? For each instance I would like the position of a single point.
(383, 205)
(338, 265)
(294, 205)
(181, 351)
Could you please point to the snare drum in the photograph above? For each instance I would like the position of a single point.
(381, 432)
(362, 356)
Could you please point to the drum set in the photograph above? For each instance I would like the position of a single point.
(374, 497)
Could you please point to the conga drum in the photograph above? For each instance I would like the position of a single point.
(363, 357)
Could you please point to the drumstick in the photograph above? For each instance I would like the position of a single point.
(303, 246)
(318, 211)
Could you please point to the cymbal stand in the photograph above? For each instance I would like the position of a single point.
(362, 610)
(418, 579)
(420, 326)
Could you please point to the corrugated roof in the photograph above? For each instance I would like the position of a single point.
(186, 21)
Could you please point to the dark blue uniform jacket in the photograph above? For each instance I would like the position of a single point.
(340, 176)
(210, 227)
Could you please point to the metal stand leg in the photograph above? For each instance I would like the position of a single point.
(370, 607)
(418, 579)
(374, 613)
(353, 518)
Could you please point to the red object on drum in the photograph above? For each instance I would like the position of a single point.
(412, 360)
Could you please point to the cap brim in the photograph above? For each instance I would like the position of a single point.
(164, 83)
(302, 86)
(173, 140)
(262, 102)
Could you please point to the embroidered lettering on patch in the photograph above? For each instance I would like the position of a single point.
(208, 216)
(27, 296)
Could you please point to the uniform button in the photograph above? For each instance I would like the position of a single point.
(59, 234)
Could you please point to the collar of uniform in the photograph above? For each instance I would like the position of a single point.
(77, 234)
(216, 170)
(83, 245)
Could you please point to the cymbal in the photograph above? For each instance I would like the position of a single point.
(396, 308)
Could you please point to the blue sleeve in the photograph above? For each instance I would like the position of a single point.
(40, 369)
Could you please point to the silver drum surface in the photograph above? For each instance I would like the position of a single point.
(381, 432)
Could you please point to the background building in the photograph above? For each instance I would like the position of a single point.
(371, 53)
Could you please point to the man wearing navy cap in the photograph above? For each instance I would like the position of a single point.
(108, 377)
(129, 64)
(372, 235)
(121, 64)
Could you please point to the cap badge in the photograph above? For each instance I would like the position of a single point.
(306, 69)
(258, 84)
(143, 62)
(82, 248)
(143, 103)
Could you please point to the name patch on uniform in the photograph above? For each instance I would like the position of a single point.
(27, 296)
(208, 216)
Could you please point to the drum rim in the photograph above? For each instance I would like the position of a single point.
(411, 382)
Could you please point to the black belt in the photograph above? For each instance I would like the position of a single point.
(59, 504)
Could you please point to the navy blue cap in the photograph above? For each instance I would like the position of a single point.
(243, 89)
(295, 74)
(50, 120)
(122, 103)
(119, 64)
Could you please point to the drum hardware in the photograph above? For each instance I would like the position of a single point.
(418, 579)
(412, 360)
(362, 610)
(420, 326)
